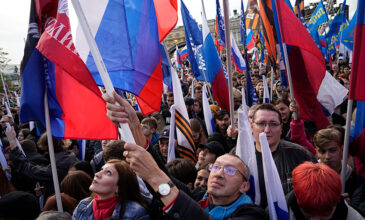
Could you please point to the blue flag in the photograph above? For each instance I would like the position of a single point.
(221, 28)
(332, 37)
(348, 33)
(194, 42)
(319, 16)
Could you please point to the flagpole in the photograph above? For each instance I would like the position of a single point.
(228, 58)
(6, 93)
(295, 116)
(347, 141)
(52, 154)
(271, 82)
(126, 135)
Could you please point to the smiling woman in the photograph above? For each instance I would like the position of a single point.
(115, 195)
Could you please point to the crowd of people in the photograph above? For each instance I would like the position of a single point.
(118, 180)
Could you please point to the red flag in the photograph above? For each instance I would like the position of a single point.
(306, 63)
(166, 13)
(83, 109)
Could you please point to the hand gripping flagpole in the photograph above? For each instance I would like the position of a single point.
(126, 135)
(229, 57)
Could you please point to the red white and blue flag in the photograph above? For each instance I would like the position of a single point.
(184, 53)
(204, 59)
(127, 34)
(250, 40)
(357, 90)
(56, 68)
(237, 58)
(178, 58)
(314, 88)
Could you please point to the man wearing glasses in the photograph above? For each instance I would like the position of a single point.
(227, 181)
(286, 155)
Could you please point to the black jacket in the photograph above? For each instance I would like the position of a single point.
(43, 174)
(286, 157)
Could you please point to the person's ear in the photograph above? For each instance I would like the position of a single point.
(245, 186)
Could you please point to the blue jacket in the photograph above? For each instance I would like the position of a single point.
(133, 210)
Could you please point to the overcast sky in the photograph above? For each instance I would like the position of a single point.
(14, 17)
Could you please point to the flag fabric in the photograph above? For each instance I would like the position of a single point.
(55, 67)
(220, 26)
(266, 12)
(335, 29)
(250, 40)
(194, 41)
(213, 66)
(185, 142)
(178, 58)
(247, 152)
(299, 8)
(82, 149)
(348, 33)
(319, 16)
(237, 58)
(171, 150)
(266, 98)
(252, 18)
(184, 53)
(166, 14)
(313, 86)
(204, 59)
(208, 118)
(243, 25)
(127, 35)
(251, 92)
(357, 91)
(166, 72)
(276, 202)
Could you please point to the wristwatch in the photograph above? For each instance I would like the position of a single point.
(165, 188)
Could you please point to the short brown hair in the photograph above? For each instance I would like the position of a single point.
(325, 136)
(267, 107)
(150, 122)
(114, 150)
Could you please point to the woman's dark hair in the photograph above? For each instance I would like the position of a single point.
(84, 166)
(58, 144)
(128, 187)
(76, 184)
(5, 186)
(114, 150)
(25, 132)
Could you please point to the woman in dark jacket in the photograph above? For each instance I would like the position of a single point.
(116, 195)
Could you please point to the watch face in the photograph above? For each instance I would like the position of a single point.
(164, 189)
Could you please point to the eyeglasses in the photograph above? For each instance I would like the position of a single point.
(229, 170)
(264, 124)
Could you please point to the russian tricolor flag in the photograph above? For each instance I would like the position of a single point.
(128, 35)
(55, 67)
(184, 53)
(314, 88)
(237, 58)
(357, 89)
(250, 40)
(214, 68)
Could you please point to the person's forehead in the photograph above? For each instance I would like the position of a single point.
(329, 145)
(266, 115)
(229, 160)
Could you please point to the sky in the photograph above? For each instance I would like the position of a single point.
(14, 18)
